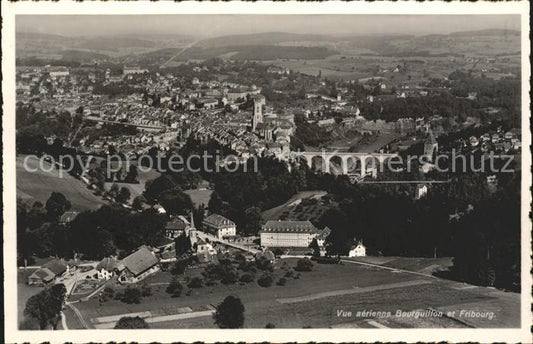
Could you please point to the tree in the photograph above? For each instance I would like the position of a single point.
(304, 264)
(46, 306)
(37, 308)
(91, 232)
(175, 201)
(196, 282)
(264, 264)
(155, 187)
(123, 195)
(265, 281)
(138, 202)
(131, 176)
(131, 323)
(57, 205)
(174, 288)
(230, 276)
(113, 191)
(215, 203)
(252, 220)
(246, 278)
(230, 313)
(315, 247)
(179, 267)
(132, 295)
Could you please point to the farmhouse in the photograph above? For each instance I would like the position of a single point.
(176, 227)
(48, 272)
(220, 226)
(288, 233)
(138, 265)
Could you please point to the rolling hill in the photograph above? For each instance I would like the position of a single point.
(266, 38)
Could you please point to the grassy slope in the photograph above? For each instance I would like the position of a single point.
(276, 212)
(38, 186)
(262, 307)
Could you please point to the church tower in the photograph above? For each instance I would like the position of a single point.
(431, 147)
(257, 118)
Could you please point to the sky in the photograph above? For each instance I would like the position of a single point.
(219, 25)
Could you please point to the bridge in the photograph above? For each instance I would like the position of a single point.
(344, 157)
(143, 126)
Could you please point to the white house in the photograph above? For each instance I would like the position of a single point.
(358, 250)
(106, 268)
(204, 247)
(220, 226)
(160, 209)
(421, 191)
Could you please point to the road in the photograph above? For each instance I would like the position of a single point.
(78, 314)
(64, 321)
(212, 238)
(387, 268)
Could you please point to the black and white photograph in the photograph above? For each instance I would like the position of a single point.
(266, 171)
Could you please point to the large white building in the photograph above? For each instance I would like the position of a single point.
(288, 234)
(58, 71)
(134, 70)
(220, 226)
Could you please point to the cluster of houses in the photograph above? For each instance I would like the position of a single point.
(202, 110)
(497, 141)
(217, 232)
(270, 132)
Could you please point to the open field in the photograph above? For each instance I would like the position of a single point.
(319, 295)
(422, 265)
(276, 212)
(199, 196)
(136, 189)
(354, 66)
(39, 185)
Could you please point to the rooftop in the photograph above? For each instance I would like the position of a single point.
(176, 224)
(289, 227)
(43, 274)
(56, 266)
(216, 220)
(108, 264)
(140, 260)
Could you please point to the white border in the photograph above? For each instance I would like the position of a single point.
(12, 334)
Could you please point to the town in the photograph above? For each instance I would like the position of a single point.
(317, 223)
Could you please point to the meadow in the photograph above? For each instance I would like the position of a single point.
(313, 300)
(39, 185)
